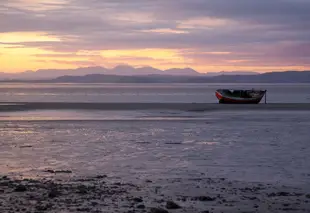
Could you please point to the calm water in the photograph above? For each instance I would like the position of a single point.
(199, 93)
(265, 146)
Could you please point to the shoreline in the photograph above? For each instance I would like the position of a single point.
(191, 107)
(103, 194)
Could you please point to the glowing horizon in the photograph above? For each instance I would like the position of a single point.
(206, 36)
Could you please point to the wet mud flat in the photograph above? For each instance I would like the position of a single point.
(103, 194)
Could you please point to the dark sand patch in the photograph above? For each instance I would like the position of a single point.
(101, 194)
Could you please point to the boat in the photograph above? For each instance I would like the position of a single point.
(229, 96)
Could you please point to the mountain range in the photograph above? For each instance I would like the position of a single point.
(274, 77)
(121, 70)
(128, 74)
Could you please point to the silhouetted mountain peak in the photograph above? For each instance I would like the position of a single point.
(123, 69)
(182, 71)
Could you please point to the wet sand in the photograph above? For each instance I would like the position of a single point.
(104, 194)
(271, 141)
(19, 106)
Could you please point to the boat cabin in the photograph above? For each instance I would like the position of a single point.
(238, 93)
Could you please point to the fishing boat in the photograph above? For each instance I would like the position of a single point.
(228, 96)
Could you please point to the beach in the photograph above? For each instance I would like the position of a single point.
(135, 161)
(100, 194)
(153, 157)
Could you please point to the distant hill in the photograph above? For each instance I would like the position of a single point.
(52, 73)
(275, 77)
(232, 73)
(129, 74)
(122, 70)
(272, 77)
(185, 72)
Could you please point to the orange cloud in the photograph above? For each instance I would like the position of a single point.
(16, 57)
(18, 37)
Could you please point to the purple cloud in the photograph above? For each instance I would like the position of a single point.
(255, 30)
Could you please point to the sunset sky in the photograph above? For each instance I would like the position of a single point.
(206, 35)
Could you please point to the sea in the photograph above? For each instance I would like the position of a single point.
(270, 146)
(145, 93)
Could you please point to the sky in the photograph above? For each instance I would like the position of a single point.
(206, 35)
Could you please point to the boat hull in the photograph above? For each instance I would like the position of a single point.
(225, 99)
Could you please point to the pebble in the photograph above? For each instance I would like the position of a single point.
(54, 193)
(204, 198)
(172, 205)
(82, 189)
(158, 210)
(141, 206)
(58, 171)
(20, 188)
(138, 200)
(279, 194)
(94, 203)
(101, 176)
(43, 207)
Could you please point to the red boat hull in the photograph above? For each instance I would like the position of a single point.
(229, 100)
